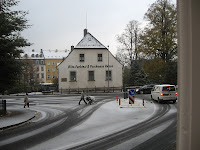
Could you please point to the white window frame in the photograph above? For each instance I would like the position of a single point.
(82, 57)
(72, 79)
(98, 58)
(89, 77)
(108, 76)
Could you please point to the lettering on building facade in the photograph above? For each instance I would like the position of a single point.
(90, 66)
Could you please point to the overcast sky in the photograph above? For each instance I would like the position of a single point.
(58, 24)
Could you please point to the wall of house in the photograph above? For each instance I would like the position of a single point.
(50, 65)
(91, 63)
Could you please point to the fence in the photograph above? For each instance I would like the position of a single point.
(91, 90)
(3, 107)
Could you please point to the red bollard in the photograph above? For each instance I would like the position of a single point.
(143, 102)
(117, 98)
(119, 102)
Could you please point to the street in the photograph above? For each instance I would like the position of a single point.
(61, 123)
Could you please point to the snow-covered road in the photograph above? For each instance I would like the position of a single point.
(108, 119)
(63, 124)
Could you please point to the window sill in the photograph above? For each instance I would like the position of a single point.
(72, 81)
(91, 80)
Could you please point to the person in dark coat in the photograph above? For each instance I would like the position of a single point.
(82, 98)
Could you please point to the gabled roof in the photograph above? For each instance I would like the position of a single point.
(89, 41)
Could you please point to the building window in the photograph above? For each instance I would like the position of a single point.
(53, 63)
(53, 69)
(90, 75)
(58, 63)
(100, 57)
(48, 63)
(42, 62)
(81, 57)
(108, 75)
(48, 70)
(42, 68)
(38, 69)
(38, 75)
(48, 77)
(42, 75)
(53, 76)
(37, 62)
(72, 76)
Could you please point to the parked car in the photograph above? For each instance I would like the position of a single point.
(164, 93)
(146, 89)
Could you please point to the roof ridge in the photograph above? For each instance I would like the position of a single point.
(89, 42)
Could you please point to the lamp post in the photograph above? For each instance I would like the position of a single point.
(108, 69)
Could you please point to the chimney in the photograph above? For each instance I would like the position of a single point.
(72, 48)
(85, 32)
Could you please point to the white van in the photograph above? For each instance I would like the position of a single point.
(164, 93)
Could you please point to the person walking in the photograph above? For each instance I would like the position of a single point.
(82, 98)
(26, 103)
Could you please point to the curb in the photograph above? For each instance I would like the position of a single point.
(17, 124)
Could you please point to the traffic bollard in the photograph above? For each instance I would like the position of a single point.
(119, 102)
(117, 98)
(143, 102)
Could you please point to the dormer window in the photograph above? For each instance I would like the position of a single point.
(82, 57)
(36, 55)
(32, 55)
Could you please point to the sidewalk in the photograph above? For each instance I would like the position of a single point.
(15, 116)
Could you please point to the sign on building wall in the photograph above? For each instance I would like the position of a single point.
(63, 79)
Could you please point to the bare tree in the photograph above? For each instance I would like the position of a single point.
(127, 51)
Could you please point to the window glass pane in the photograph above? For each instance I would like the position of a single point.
(73, 76)
(99, 57)
(91, 76)
(168, 88)
(81, 57)
(108, 75)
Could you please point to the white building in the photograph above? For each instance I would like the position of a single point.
(39, 62)
(90, 65)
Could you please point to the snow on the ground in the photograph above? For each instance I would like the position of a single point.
(108, 119)
(130, 144)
